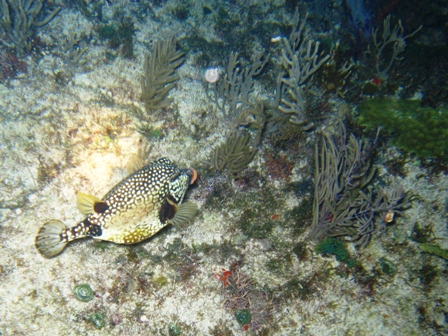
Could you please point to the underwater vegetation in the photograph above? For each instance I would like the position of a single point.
(269, 271)
(234, 154)
(159, 75)
(233, 29)
(233, 92)
(97, 320)
(387, 267)
(243, 316)
(83, 293)
(18, 19)
(434, 249)
(335, 247)
(414, 129)
(387, 46)
(119, 36)
(174, 330)
(421, 234)
(300, 60)
(90, 9)
(10, 65)
(345, 201)
(244, 299)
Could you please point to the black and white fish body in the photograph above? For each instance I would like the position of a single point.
(132, 211)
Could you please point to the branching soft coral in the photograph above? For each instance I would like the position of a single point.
(18, 19)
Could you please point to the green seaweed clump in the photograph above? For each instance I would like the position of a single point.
(83, 292)
(243, 316)
(119, 36)
(337, 248)
(421, 234)
(415, 129)
(298, 289)
(160, 281)
(300, 251)
(97, 320)
(427, 274)
(434, 249)
(387, 267)
(253, 226)
(173, 329)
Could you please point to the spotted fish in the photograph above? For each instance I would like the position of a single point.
(134, 210)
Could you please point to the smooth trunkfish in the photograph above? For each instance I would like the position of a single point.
(132, 211)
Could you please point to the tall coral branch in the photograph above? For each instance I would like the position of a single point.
(394, 39)
(300, 59)
(235, 154)
(232, 93)
(18, 19)
(345, 202)
(159, 74)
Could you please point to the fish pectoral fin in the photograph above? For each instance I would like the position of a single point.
(184, 214)
(88, 204)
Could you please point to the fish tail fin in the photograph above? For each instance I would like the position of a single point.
(49, 241)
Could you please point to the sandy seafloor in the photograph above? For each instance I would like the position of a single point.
(60, 139)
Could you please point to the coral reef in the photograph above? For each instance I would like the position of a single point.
(300, 60)
(232, 93)
(390, 38)
(75, 121)
(18, 18)
(159, 74)
(345, 204)
(234, 154)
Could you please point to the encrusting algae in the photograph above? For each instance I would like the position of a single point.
(134, 210)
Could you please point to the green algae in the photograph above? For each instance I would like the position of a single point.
(279, 265)
(243, 316)
(295, 288)
(161, 281)
(421, 234)
(97, 320)
(119, 36)
(337, 248)
(300, 250)
(83, 292)
(387, 267)
(174, 329)
(434, 249)
(255, 226)
(414, 129)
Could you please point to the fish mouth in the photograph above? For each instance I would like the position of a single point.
(193, 176)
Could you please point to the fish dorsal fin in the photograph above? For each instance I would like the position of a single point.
(184, 214)
(88, 204)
